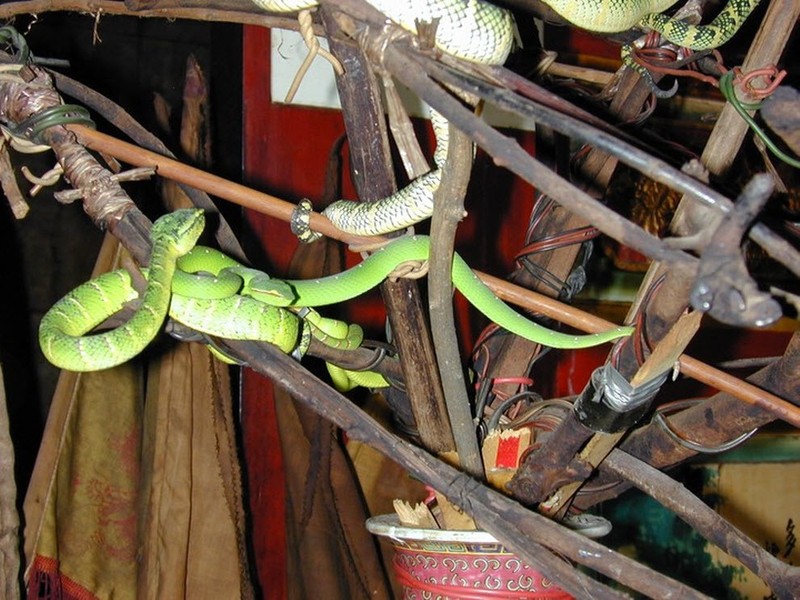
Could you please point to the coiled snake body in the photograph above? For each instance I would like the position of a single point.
(481, 32)
(62, 330)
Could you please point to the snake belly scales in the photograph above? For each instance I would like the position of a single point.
(481, 32)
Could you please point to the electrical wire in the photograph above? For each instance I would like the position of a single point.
(726, 87)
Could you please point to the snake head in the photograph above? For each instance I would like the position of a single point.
(179, 229)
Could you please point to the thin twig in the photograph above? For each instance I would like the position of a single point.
(247, 14)
(449, 202)
(8, 183)
(121, 119)
(784, 579)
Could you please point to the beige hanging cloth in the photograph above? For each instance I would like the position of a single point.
(81, 505)
(192, 525)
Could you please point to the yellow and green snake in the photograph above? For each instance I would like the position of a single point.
(481, 32)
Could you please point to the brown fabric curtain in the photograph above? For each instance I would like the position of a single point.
(136, 491)
(330, 553)
(192, 521)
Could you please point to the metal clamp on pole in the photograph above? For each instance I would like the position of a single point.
(609, 403)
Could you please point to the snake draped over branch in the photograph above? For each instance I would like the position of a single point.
(62, 329)
(616, 16)
(470, 29)
(204, 303)
(481, 32)
(255, 307)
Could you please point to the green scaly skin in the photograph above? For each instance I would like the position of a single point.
(206, 274)
(206, 279)
(62, 331)
(345, 380)
(372, 271)
(234, 317)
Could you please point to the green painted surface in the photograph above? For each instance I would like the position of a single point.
(658, 538)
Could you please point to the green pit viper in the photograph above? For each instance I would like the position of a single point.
(483, 33)
(257, 310)
(62, 329)
(211, 308)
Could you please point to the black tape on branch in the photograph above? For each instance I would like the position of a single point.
(610, 404)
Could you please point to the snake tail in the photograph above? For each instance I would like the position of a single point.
(63, 329)
(345, 380)
(373, 270)
(702, 37)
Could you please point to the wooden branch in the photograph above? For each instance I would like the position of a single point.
(525, 533)
(362, 109)
(692, 218)
(449, 203)
(509, 154)
(784, 579)
(223, 11)
(213, 184)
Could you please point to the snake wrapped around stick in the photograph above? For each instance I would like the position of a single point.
(481, 32)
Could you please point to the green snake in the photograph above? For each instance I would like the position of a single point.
(62, 330)
(255, 308)
(354, 282)
(334, 289)
(214, 309)
(206, 303)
